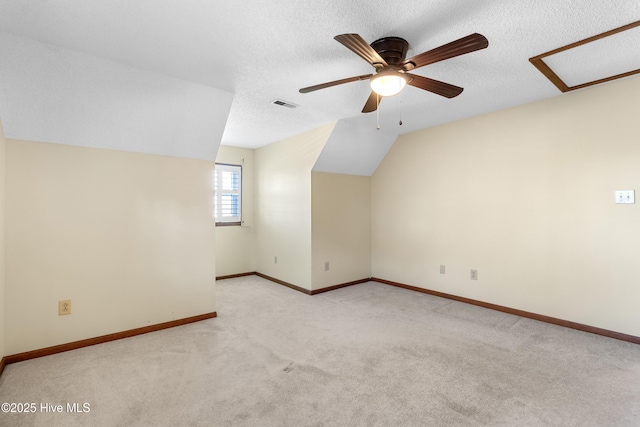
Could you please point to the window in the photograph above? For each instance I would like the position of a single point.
(228, 194)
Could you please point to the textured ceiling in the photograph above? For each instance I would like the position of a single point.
(261, 51)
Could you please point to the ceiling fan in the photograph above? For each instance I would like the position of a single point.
(387, 55)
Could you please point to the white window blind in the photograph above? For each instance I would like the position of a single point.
(228, 194)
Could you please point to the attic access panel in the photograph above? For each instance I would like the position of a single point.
(604, 57)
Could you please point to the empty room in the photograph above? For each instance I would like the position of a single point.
(319, 213)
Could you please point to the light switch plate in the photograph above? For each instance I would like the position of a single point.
(625, 196)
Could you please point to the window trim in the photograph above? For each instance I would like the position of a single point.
(215, 195)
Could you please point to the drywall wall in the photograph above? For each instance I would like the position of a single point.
(235, 245)
(341, 228)
(128, 237)
(283, 205)
(2, 240)
(526, 197)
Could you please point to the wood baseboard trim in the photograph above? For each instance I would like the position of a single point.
(342, 285)
(2, 363)
(283, 283)
(20, 357)
(315, 291)
(233, 276)
(542, 318)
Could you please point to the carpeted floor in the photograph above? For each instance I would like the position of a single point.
(366, 355)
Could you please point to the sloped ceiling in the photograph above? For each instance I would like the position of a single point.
(354, 149)
(261, 51)
(61, 96)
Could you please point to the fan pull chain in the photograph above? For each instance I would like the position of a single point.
(400, 108)
(377, 112)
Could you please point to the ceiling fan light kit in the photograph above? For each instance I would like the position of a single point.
(387, 55)
(388, 82)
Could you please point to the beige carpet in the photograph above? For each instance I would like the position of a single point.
(366, 355)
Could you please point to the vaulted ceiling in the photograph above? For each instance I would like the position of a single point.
(259, 51)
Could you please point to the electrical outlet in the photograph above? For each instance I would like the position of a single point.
(474, 274)
(442, 269)
(275, 259)
(64, 307)
(326, 266)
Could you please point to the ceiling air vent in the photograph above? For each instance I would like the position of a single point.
(282, 103)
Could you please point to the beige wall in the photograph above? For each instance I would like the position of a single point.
(341, 228)
(283, 205)
(128, 237)
(2, 241)
(526, 197)
(235, 246)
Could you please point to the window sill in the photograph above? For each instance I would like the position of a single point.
(228, 224)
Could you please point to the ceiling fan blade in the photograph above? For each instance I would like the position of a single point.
(467, 44)
(360, 47)
(335, 83)
(439, 88)
(372, 103)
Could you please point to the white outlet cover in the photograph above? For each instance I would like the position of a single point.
(625, 196)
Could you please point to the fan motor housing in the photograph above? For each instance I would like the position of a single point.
(392, 49)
